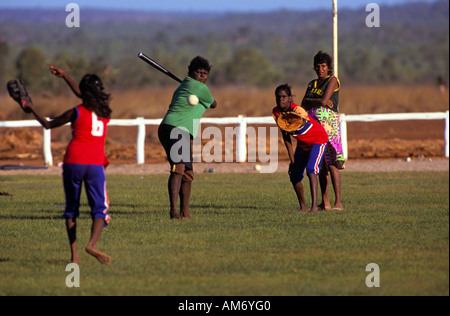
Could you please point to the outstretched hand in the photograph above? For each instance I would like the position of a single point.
(56, 71)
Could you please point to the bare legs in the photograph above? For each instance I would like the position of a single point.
(298, 187)
(96, 230)
(336, 181)
(185, 195)
(175, 180)
(71, 226)
(313, 184)
(178, 187)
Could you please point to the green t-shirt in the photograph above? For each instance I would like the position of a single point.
(180, 113)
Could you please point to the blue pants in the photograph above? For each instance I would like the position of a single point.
(95, 184)
(310, 160)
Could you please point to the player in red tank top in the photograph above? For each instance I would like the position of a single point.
(85, 160)
(88, 141)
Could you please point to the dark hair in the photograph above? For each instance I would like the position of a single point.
(284, 87)
(199, 63)
(323, 58)
(94, 97)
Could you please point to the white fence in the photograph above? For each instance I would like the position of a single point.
(242, 122)
(394, 117)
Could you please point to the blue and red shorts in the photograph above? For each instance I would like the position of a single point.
(311, 160)
(94, 180)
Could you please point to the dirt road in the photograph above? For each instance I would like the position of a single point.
(364, 165)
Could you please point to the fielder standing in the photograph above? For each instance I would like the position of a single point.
(311, 143)
(321, 100)
(178, 129)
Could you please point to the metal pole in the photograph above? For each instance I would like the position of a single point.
(446, 135)
(335, 37)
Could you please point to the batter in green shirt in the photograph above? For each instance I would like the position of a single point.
(182, 121)
(181, 113)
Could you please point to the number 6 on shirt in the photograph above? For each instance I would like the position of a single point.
(97, 126)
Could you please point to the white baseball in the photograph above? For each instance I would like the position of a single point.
(257, 168)
(193, 100)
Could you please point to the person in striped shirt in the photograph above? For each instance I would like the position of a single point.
(311, 144)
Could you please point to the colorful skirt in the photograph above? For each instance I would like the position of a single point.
(334, 154)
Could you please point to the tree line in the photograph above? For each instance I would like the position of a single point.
(246, 49)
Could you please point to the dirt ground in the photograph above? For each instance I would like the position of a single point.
(422, 141)
(360, 165)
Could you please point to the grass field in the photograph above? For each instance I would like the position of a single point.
(245, 238)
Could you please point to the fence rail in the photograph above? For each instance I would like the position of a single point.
(242, 122)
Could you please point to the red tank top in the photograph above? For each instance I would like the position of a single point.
(87, 146)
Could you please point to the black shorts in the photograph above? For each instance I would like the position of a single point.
(181, 142)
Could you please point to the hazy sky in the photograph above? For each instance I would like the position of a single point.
(200, 5)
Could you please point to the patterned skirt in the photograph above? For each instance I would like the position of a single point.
(334, 154)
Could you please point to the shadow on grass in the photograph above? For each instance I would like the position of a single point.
(32, 217)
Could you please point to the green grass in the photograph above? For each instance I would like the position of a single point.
(245, 239)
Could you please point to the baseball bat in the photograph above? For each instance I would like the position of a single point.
(153, 63)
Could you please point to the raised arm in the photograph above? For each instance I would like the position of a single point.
(62, 74)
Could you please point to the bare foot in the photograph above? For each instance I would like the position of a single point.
(302, 210)
(338, 207)
(100, 256)
(185, 215)
(323, 207)
(174, 215)
(314, 209)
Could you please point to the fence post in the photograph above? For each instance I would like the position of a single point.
(343, 127)
(140, 145)
(241, 140)
(47, 147)
(446, 135)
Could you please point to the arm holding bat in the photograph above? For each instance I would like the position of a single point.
(157, 66)
(198, 73)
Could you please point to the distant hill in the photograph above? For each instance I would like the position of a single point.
(409, 47)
